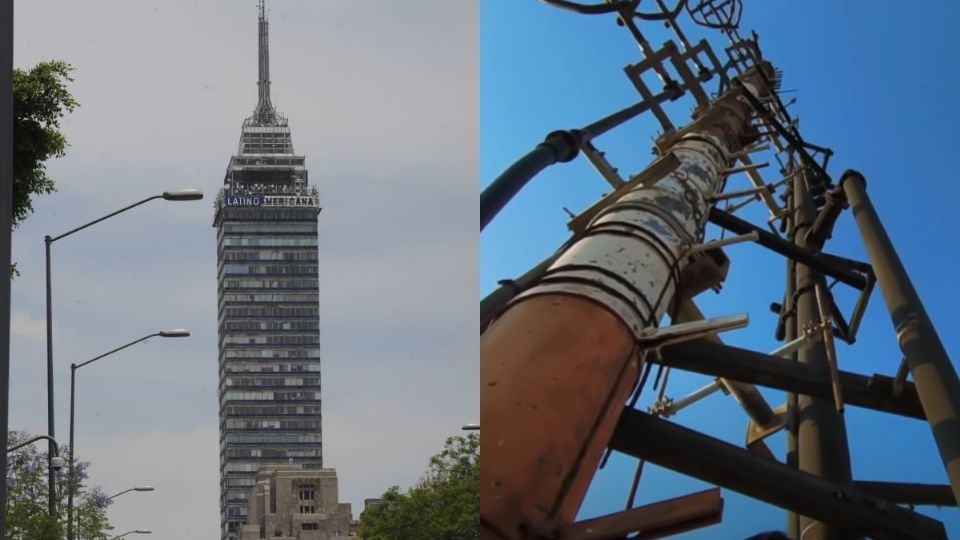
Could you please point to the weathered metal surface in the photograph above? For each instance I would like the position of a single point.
(550, 384)
(657, 170)
(493, 303)
(558, 364)
(655, 520)
(933, 374)
(632, 250)
(711, 460)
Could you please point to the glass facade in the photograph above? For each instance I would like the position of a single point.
(266, 220)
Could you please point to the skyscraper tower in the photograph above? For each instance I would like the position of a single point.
(269, 351)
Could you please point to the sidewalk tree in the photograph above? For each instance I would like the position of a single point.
(40, 100)
(444, 505)
(27, 510)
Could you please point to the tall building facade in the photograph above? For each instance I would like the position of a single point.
(269, 337)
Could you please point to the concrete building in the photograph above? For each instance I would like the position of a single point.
(292, 503)
(269, 338)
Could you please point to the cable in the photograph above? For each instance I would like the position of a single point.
(593, 9)
(663, 16)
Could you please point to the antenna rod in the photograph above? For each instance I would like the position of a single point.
(264, 106)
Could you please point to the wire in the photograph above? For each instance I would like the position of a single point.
(663, 16)
(593, 9)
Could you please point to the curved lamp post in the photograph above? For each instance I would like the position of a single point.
(179, 332)
(56, 461)
(136, 531)
(180, 195)
(137, 488)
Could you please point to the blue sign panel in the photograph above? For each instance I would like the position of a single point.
(244, 200)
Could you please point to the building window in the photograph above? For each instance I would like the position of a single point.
(310, 527)
(306, 492)
(306, 508)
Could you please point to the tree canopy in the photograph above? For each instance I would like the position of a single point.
(27, 497)
(444, 505)
(40, 100)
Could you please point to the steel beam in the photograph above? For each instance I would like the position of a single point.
(912, 494)
(935, 379)
(747, 366)
(777, 244)
(655, 520)
(683, 450)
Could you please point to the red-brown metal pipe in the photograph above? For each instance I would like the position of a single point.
(557, 371)
(558, 365)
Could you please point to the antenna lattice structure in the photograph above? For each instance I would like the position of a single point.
(568, 347)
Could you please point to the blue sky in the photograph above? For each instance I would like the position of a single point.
(874, 82)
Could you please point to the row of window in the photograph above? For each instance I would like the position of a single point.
(272, 255)
(272, 381)
(271, 311)
(242, 466)
(245, 395)
(289, 283)
(289, 425)
(272, 353)
(271, 269)
(277, 297)
(273, 367)
(272, 340)
(270, 325)
(285, 453)
(241, 482)
(272, 410)
(269, 227)
(270, 438)
(269, 241)
(278, 213)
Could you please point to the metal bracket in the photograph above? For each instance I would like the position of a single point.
(599, 161)
(634, 72)
(756, 432)
(677, 333)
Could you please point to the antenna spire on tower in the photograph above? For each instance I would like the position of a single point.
(264, 111)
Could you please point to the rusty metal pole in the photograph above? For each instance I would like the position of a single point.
(821, 431)
(789, 316)
(934, 376)
(558, 365)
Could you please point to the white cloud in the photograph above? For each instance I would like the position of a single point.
(23, 326)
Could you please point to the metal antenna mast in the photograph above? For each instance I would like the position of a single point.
(264, 112)
(567, 345)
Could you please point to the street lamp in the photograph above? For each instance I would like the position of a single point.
(56, 462)
(179, 332)
(180, 195)
(137, 531)
(471, 427)
(137, 488)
